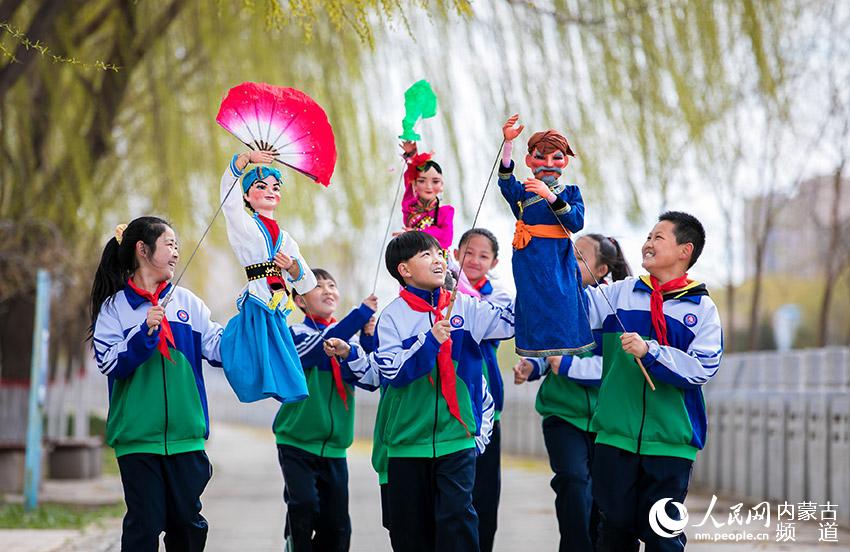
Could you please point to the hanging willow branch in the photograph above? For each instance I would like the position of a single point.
(42, 49)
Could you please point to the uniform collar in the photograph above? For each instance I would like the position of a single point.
(136, 300)
(432, 297)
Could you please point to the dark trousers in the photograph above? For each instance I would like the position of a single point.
(570, 457)
(163, 493)
(316, 494)
(488, 487)
(625, 486)
(431, 503)
(385, 505)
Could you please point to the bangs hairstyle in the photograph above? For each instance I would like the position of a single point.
(406, 246)
(430, 164)
(320, 274)
(484, 233)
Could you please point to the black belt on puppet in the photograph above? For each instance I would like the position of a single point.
(261, 271)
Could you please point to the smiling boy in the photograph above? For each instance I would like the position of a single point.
(647, 440)
(440, 411)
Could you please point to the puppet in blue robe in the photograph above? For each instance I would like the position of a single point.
(551, 317)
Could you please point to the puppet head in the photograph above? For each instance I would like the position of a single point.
(261, 188)
(547, 155)
(428, 183)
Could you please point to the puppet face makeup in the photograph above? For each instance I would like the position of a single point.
(428, 185)
(547, 166)
(425, 270)
(477, 256)
(264, 195)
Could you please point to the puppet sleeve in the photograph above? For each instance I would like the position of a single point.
(512, 190)
(444, 229)
(232, 204)
(305, 281)
(569, 208)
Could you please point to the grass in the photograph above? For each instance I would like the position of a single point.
(55, 516)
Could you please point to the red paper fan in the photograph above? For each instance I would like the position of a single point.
(285, 120)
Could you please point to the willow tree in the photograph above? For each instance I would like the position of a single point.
(107, 109)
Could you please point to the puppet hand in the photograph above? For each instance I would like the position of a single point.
(522, 370)
(283, 261)
(369, 327)
(409, 148)
(537, 186)
(441, 330)
(335, 346)
(371, 302)
(155, 316)
(634, 344)
(508, 130)
(262, 156)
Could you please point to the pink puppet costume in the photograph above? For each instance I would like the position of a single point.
(420, 206)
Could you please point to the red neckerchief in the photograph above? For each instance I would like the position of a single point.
(656, 304)
(444, 357)
(274, 231)
(480, 284)
(335, 369)
(166, 337)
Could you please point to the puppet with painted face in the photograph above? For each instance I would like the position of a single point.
(420, 207)
(258, 354)
(551, 317)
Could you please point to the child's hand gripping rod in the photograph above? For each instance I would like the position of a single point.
(604, 295)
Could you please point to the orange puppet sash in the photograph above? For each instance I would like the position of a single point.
(524, 232)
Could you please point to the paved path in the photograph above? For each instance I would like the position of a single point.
(244, 506)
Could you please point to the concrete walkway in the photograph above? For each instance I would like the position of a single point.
(244, 506)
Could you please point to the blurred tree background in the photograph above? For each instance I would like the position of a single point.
(723, 108)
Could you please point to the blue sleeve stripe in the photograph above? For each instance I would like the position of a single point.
(308, 343)
(105, 369)
(96, 340)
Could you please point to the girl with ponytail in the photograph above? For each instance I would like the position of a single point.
(151, 350)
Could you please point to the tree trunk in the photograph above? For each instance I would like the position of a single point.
(832, 258)
(17, 316)
(755, 303)
(37, 31)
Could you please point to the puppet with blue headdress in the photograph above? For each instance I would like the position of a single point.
(258, 354)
